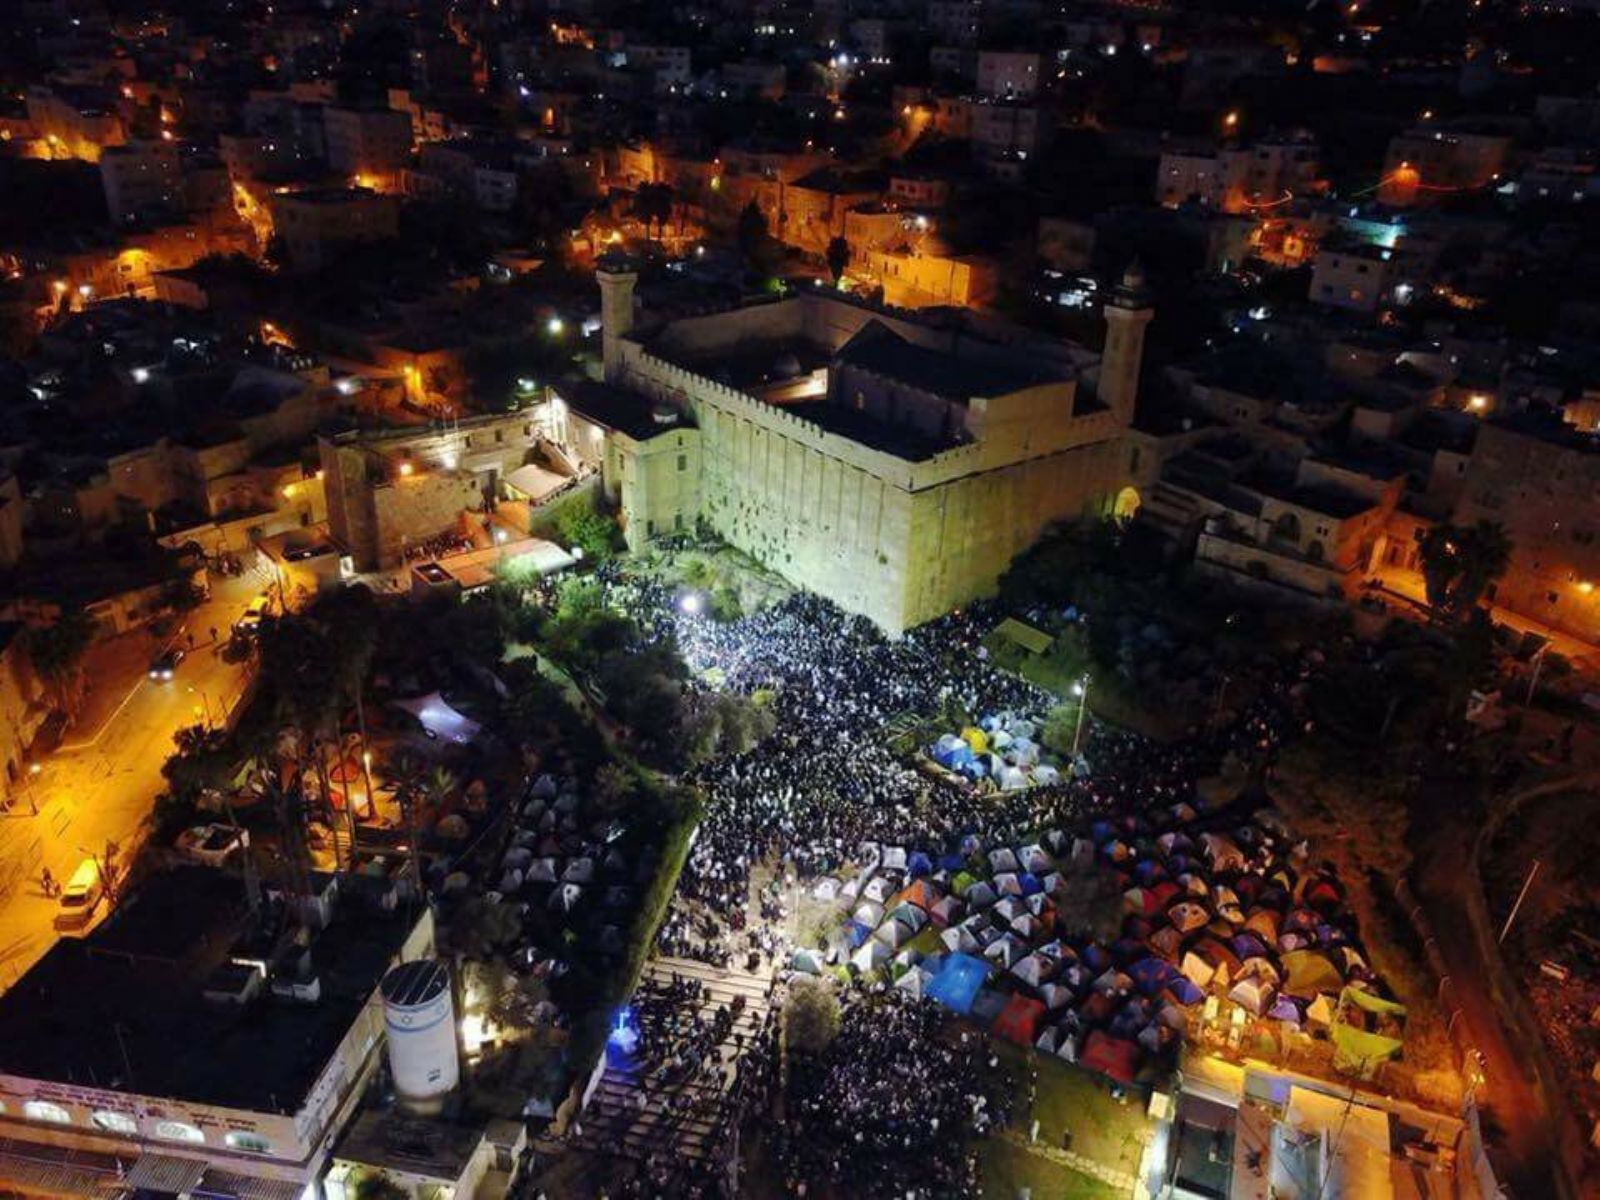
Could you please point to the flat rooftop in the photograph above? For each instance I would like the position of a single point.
(123, 1008)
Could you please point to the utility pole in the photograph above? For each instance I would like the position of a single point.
(1082, 690)
(1515, 908)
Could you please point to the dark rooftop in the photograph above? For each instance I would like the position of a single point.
(878, 349)
(616, 408)
(123, 1008)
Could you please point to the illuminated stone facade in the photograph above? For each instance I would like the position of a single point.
(900, 478)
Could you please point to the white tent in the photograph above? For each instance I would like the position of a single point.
(879, 889)
(1010, 779)
(438, 719)
(871, 954)
(1033, 858)
(948, 910)
(1053, 882)
(579, 870)
(1037, 903)
(826, 889)
(892, 934)
(1055, 996)
(1002, 860)
(913, 981)
(869, 914)
(534, 482)
(1252, 995)
(1034, 969)
(1007, 884)
(1005, 950)
(909, 914)
(980, 895)
(959, 941)
(1027, 926)
(1048, 1039)
(894, 858)
(566, 897)
(1008, 909)
(543, 870)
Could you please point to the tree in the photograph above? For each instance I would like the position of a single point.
(56, 652)
(653, 205)
(614, 786)
(752, 232)
(838, 257)
(1459, 563)
(579, 523)
(810, 1017)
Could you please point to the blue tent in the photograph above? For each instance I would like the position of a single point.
(856, 933)
(951, 862)
(957, 983)
(919, 864)
(1030, 883)
(1150, 975)
(1184, 991)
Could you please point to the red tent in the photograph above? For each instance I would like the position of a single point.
(1116, 1058)
(1019, 1020)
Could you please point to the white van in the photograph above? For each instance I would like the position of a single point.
(81, 896)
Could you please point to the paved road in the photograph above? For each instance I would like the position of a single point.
(1526, 1125)
(101, 784)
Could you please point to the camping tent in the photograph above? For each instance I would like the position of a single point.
(1116, 1058)
(871, 954)
(1253, 995)
(1005, 950)
(957, 982)
(1308, 972)
(878, 889)
(914, 982)
(893, 934)
(1019, 1020)
(946, 911)
(960, 940)
(1002, 860)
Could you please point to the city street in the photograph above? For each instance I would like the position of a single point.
(101, 783)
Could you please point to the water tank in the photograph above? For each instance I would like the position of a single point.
(420, 1019)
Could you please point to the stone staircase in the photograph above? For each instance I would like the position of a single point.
(692, 1121)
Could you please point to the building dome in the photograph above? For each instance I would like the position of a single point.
(786, 366)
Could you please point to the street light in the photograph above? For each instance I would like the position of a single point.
(1080, 690)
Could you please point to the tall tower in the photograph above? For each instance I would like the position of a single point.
(617, 279)
(1126, 313)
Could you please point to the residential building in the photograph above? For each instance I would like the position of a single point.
(200, 1040)
(314, 221)
(367, 142)
(141, 178)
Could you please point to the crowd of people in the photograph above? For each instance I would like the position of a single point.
(891, 1107)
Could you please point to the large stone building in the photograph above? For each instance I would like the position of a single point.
(893, 465)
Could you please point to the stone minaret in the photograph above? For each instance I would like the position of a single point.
(617, 278)
(1127, 313)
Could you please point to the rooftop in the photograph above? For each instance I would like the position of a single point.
(123, 1008)
(878, 349)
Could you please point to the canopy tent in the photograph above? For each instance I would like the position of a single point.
(957, 983)
(1019, 1020)
(438, 719)
(534, 482)
(1116, 1058)
(1367, 1030)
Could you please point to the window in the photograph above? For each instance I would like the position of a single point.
(179, 1131)
(683, 462)
(113, 1122)
(252, 1143)
(46, 1110)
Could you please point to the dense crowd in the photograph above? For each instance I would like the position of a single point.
(890, 1108)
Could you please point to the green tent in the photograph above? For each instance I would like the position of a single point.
(1367, 1031)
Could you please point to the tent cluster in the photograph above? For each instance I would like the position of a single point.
(557, 862)
(1213, 914)
(999, 748)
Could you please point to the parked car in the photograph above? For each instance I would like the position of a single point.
(165, 665)
(80, 897)
(211, 844)
(249, 622)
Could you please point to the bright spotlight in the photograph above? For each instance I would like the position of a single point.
(691, 604)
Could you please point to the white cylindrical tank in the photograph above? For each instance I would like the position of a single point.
(419, 1017)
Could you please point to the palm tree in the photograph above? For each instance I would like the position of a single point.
(56, 652)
